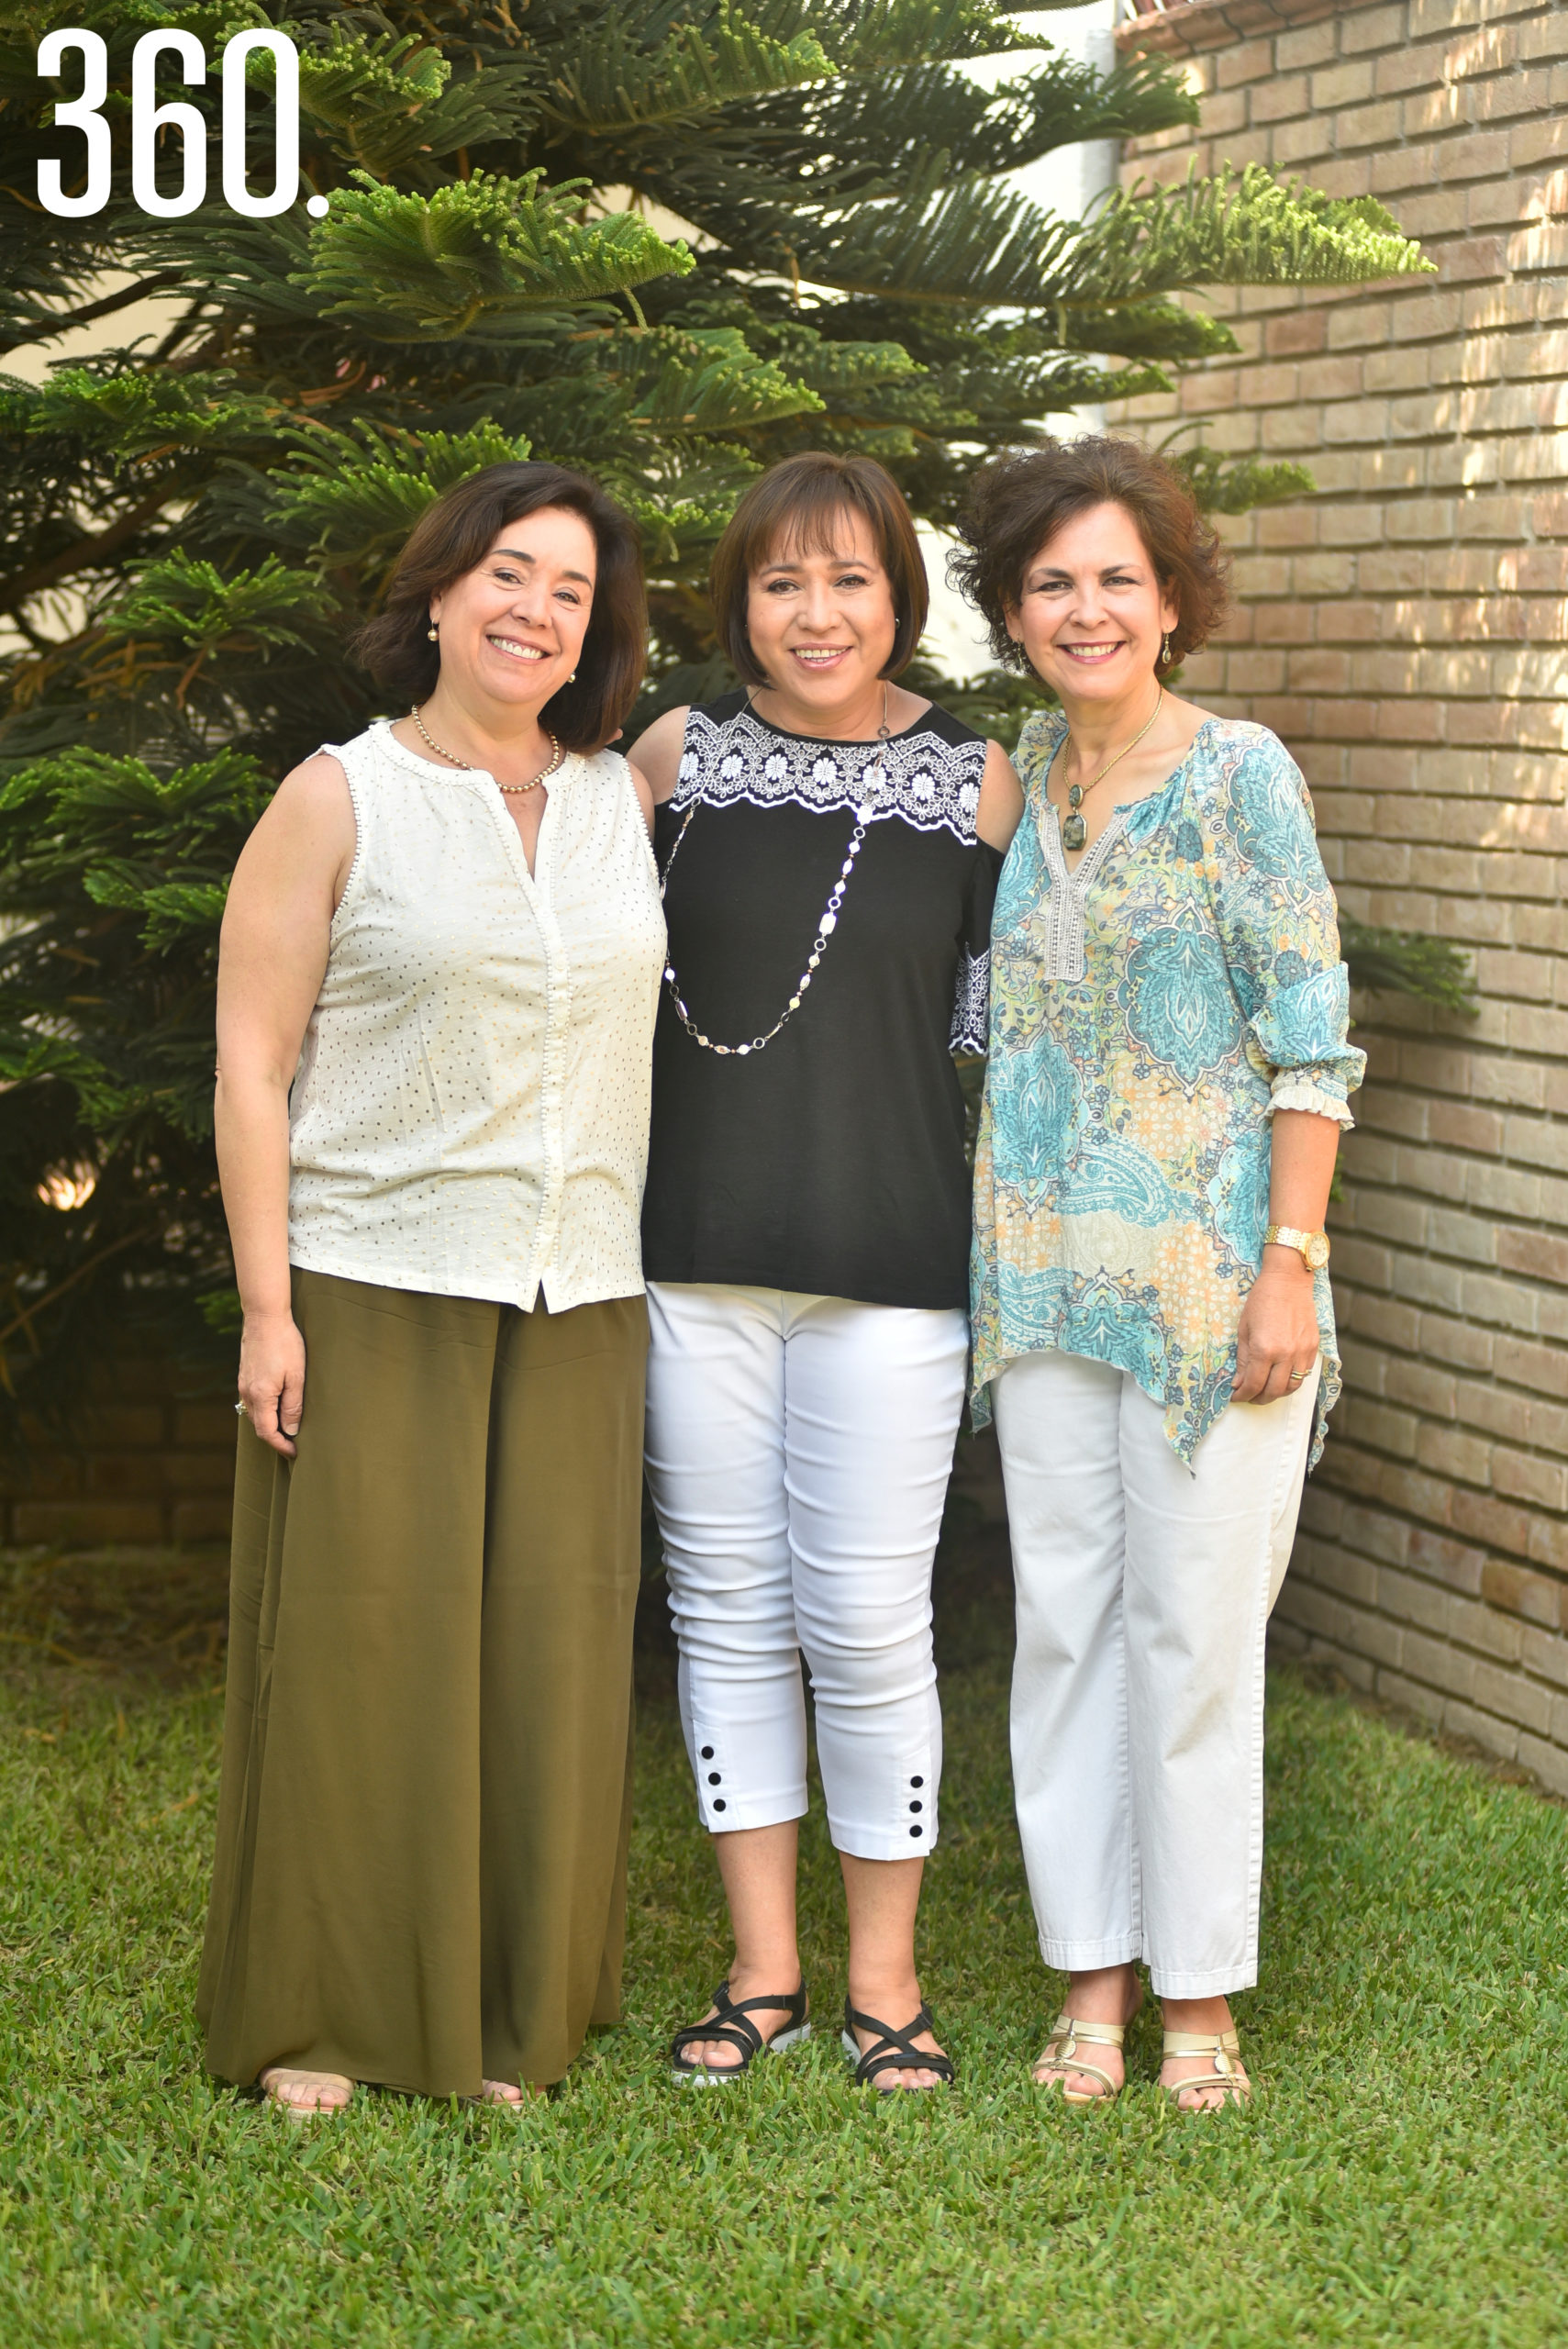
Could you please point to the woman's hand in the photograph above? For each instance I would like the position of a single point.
(272, 1378)
(1278, 1331)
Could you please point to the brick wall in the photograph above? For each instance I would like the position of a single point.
(1406, 631)
(153, 1465)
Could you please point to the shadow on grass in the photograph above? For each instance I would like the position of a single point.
(1401, 2179)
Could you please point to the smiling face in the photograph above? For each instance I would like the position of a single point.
(1091, 613)
(822, 624)
(512, 629)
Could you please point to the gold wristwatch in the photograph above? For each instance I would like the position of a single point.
(1313, 1246)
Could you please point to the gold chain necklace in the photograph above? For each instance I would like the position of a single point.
(1075, 831)
(468, 766)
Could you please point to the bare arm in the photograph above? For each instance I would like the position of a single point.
(658, 754)
(272, 958)
(639, 784)
(1278, 1329)
(1001, 799)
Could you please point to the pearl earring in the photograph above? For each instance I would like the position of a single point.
(571, 680)
(433, 632)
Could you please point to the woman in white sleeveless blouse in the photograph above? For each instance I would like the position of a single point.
(439, 976)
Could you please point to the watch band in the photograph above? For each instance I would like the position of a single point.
(1311, 1246)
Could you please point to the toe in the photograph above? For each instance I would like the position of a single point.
(1203, 2091)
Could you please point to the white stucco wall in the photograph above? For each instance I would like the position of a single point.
(1065, 183)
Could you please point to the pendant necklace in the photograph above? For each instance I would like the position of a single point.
(874, 772)
(1073, 830)
(556, 754)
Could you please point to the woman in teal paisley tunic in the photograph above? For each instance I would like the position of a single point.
(1152, 1323)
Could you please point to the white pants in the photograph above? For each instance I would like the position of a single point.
(1143, 1591)
(798, 1453)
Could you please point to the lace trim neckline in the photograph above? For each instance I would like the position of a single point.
(828, 742)
(932, 785)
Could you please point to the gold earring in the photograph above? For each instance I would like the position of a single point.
(1166, 650)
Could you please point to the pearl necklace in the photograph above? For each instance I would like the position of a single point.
(468, 766)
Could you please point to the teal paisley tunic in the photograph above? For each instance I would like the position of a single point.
(1150, 1011)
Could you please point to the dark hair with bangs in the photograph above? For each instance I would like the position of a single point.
(1017, 505)
(454, 536)
(795, 503)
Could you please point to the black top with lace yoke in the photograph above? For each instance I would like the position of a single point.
(832, 1161)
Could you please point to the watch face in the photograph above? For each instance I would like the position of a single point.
(1317, 1252)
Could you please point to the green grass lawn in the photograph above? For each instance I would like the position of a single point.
(1402, 2177)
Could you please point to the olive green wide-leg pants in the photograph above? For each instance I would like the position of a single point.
(422, 1829)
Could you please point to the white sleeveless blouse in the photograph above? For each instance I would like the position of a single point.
(470, 1113)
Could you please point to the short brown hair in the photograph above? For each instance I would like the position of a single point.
(1018, 504)
(454, 536)
(796, 502)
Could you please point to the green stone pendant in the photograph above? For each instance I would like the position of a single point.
(1073, 832)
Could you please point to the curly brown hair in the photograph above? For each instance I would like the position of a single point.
(1017, 505)
(454, 536)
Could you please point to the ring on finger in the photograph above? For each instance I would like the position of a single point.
(1297, 1377)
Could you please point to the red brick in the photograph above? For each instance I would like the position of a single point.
(1500, 1524)
(127, 1475)
(1251, 61)
(1474, 257)
(1543, 1369)
(1522, 1476)
(1454, 1562)
(1537, 1255)
(1549, 514)
(1483, 155)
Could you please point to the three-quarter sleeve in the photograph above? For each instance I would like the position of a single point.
(971, 1028)
(1280, 933)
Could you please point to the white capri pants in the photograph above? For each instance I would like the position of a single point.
(798, 1455)
(1144, 1592)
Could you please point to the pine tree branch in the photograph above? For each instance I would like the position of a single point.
(24, 1321)
(83, 554)
(63, 322)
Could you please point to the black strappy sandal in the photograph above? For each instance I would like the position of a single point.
(733, 2025)
(895, 2052)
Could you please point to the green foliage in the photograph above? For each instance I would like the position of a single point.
(667, 241)
(1403, 962)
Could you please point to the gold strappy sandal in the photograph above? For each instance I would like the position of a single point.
(1067, 2035)
(1224, 2049)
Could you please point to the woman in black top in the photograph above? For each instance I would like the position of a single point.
(830, 845)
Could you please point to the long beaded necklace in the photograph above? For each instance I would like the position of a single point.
(468, 768)
(1075, 831)
(870, 773)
